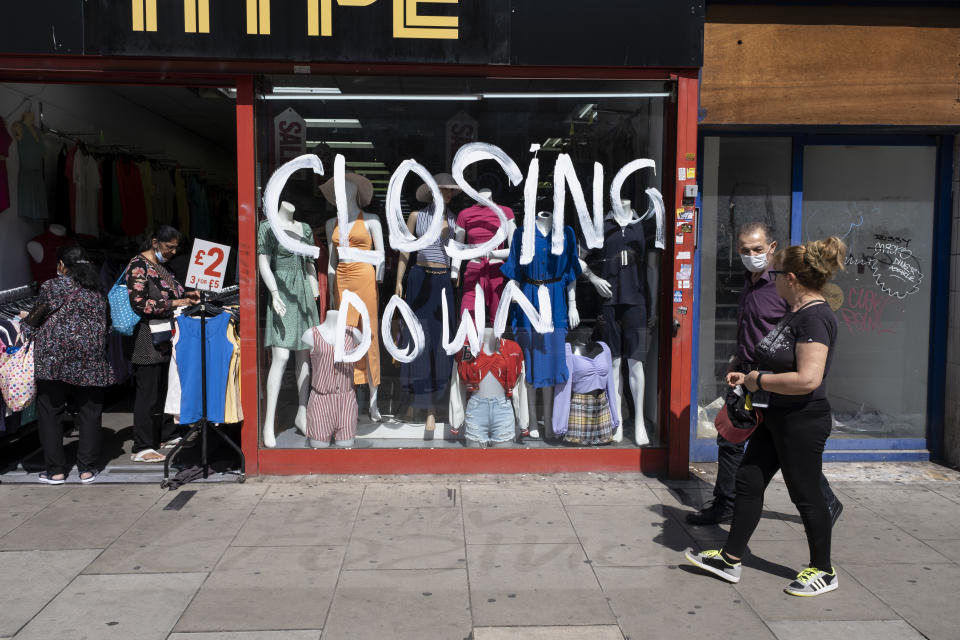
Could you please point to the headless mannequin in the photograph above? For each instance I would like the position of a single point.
(372, 224)
(489, 386)
(35, 249)
(328, 333)
(636, 378)
(280, 355)
(430, 424)
(497, 255)
(545, 226)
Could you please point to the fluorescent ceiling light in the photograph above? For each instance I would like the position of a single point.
(373, 172)
(365, 163)
(333, 123)
(379, 182)
(343, 144)
(468, 97)
(522, 96)
(583, 112)
(307, 90)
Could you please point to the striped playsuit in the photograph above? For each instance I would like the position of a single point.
(332, 408)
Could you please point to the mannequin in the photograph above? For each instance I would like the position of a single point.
(42, 250)
(545, 353)
(496, 408)
(292, 283)
(427, 281)
(359, 277)
(624, 264)
(585, 411)
(334, 409)
(32, 190)
(477, 224)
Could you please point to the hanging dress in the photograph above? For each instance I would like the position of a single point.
(360, 278)
(290, 272)
(31, 188)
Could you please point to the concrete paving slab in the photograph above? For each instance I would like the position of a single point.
(407, 538)
(492, 515)
(590, 632)
(606, 494)
(294, 516)
(770, 566)
(434, 494)
(692, 607)
(95, 516)
(34, 578)
(925, 595)
(535, 585)
(266, 588)
(629, 536)
(122, 607)
(861, 536)
(163, 541)
(248, 635)
(19, 503)
(846, 629)
(920, 512)
(949, 549)
(417, 604)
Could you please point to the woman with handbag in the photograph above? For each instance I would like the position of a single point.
(793, 361)
(154, 294)
(70, 323)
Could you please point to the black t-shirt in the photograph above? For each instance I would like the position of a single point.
(777, 351)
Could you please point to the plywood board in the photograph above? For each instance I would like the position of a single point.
(803, 70)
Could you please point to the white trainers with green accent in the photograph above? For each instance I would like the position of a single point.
(812, 582)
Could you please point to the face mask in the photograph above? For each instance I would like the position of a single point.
(160, 257)
(755, 264)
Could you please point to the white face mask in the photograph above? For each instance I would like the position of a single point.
(160, 257)
(755, 264)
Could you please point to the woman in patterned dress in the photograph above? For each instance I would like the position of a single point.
(154, 294)
(70, 321)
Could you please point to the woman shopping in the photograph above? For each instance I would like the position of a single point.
(154, 294)
(793, 361)
(70, 359)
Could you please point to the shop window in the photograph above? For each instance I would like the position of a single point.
(746, 179)
(311, 397)
(879, 199)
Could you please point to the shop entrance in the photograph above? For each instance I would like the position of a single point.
(101, 166)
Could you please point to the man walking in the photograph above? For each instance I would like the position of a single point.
(759, 310)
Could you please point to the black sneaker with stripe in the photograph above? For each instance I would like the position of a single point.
(712, 561)
(812, 582)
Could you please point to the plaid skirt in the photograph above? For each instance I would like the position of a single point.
(590, 421)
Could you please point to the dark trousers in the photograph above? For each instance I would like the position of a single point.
(150, 425)
(792, 442)
(51, 403)
(729, 458)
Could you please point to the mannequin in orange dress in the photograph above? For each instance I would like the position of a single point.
(365, 233)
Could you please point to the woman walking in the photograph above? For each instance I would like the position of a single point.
(793, 361)
(154, 294)
(70, 359)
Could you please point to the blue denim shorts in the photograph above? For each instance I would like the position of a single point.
(490, 420)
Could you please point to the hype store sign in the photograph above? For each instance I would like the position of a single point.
(401, 239)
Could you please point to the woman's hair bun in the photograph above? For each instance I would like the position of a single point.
(826, 256)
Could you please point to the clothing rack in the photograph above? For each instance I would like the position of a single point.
(13, 301)
(17, 293)
(203, 426)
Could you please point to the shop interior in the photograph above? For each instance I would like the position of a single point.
(378, 122)
(100, 166)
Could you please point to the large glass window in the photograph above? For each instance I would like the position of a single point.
(309, 398)
(880, 200)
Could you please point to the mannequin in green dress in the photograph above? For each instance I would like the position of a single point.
(292, 282)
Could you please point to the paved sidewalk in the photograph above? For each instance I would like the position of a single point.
(560, 557)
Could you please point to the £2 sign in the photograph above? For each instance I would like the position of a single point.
(208, 265)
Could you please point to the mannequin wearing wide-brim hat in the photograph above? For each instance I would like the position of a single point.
(427, 377)
(364, 232)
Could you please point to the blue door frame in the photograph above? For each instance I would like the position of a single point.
(857, 449)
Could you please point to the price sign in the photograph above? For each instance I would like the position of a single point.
(208, 264)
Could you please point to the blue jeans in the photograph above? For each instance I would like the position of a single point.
(490, 420)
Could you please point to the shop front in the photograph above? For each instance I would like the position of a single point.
(463, 230)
